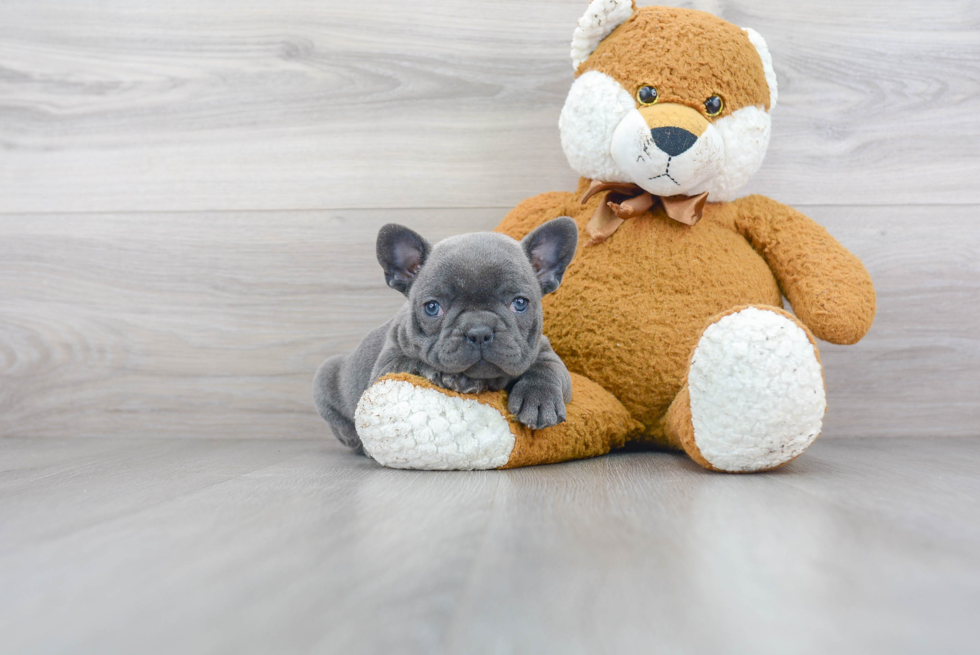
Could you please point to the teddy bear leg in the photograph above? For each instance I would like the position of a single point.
(754, 397)
(404, 421)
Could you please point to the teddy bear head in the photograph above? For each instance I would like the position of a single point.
(675, 101)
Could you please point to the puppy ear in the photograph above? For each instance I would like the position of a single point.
(401, 253)
(550, 249)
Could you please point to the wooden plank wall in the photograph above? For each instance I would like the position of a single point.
(189, 191)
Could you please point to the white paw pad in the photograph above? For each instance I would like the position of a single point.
(409, 427)
(757, 392)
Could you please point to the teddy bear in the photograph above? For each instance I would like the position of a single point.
(671, 315)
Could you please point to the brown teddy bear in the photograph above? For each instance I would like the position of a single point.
(670, 316)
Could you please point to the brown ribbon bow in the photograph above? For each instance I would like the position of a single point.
(626, 201)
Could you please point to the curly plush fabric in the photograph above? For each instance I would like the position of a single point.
(675, 334)
(827, 286)
(405, 421)
(601, 18)
(631, 309)
(679, 52)
(755, 373)
(596, 423)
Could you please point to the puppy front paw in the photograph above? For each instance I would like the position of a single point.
(537, 405)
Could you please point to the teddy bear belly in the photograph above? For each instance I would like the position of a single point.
(631, 309)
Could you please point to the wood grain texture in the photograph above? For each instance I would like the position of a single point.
(187, 323)
(203, 546)
(221, 105)
(212, 325)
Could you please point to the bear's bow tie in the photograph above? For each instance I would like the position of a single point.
(630, 200)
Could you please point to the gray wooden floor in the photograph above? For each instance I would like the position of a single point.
(260, 546)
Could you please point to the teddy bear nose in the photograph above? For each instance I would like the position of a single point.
(480, 335)
(673, 140)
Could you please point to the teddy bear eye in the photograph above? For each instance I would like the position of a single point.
(646, 95)
(714, 105)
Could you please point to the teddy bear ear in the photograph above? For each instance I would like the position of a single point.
(760, 46)
(600, 19)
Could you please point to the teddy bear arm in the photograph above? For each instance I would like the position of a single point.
(405, 421)
(531, 213)
(828, 287)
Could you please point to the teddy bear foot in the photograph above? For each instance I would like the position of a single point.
(406, 424)
(755, 397)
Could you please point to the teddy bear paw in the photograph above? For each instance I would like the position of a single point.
(756, 391)
(403, 425)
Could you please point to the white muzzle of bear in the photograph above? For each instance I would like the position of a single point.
(666, 167)
(603, 136)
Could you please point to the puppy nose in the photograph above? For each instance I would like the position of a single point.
(673, 140)
(480, 335)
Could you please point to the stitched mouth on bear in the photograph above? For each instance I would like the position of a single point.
(666, 174)
(666, 159)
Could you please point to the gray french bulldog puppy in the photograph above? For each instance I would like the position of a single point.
(472, 322)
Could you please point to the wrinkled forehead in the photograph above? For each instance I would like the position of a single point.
(686, 55)
(477, 266)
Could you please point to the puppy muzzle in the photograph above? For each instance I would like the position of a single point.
(481, 345)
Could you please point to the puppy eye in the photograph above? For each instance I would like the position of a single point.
(432, 308)
(519, 305)
(646, 95)
(714, 105)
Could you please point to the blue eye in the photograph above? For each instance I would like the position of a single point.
(432, 308)
(519, 305)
